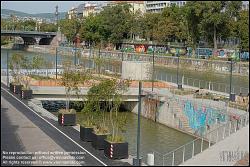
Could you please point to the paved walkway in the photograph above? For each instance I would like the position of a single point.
(19, 134)
(28, 131)
(225, 153)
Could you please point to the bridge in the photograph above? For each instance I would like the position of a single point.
(32, 37)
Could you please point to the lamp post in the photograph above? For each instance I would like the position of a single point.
(56, 63)
(231, 95)
(178, 61)
(153, 69)
(75, 52)
(138, 158)
(7, 67)
(56, 15)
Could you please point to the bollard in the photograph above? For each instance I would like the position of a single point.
(150, 159)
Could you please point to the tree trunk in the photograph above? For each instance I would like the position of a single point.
(215, 42)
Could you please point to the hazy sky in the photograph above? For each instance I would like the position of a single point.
(33, 7)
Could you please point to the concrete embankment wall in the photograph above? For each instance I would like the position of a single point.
(219, 66)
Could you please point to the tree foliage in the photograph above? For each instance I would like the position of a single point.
(196, 21)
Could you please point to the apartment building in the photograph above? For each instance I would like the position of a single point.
(158, 6)
(136, 5)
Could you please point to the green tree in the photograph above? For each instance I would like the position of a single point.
(213, 19)
(243, 30)
(48, 27)
(16, 63)
(193, 12)
(69, 28)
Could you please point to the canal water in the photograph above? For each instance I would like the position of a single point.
(220, 82)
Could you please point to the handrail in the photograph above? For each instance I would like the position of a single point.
(198, 138)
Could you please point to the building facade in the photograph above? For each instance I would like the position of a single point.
(135, 5)
(72, 13)
(245, 5)
(85, 9)
(158, 6)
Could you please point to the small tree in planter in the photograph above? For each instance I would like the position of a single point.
(26, 92)
(70, 80)
(114, 146)
(15, 66)
(88, 123)
(102, 92)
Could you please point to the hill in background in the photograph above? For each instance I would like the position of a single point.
(51, 16)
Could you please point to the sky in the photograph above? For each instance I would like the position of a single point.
(33, 7)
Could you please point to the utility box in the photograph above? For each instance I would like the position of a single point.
(137, 70)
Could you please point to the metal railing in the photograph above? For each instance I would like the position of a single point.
(183, 153)
(199, 83)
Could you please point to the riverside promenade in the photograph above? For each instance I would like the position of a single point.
(225, 153)
(40, 139)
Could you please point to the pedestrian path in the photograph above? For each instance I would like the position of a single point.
(224, 153)
(18, 134)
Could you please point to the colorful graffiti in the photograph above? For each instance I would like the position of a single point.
(200, 117)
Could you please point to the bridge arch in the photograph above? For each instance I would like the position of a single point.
(45, 41)
(28, 40)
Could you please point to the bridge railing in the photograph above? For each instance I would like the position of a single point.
(185, 152)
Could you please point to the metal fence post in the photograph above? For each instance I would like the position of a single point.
(246, 121)
(235, 126)
(193, 150)
(201, 144)
(217, 135)
(230, 128)
(224, 131)
(163, 161)
(183, 155)
(173, 160)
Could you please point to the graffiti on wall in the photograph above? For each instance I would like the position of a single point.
(201, 117)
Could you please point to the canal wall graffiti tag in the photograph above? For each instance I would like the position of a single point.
(201, 117)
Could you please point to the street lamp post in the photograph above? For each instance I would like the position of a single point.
(56, 63)
(231, 95)
(153, 69)
(7, 67)
(178, 61)
(75, 52)
(138, 160)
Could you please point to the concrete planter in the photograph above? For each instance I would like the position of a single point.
(86, 133)
(67, 119)
(116, 150)
(98, 141)
(26, 94)
(15, 88)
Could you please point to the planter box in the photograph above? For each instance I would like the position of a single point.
(67, 119)
(98, 141)
(11, 87)
(26, 94)
(16, 88)
(116, 150)
(86, 133)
